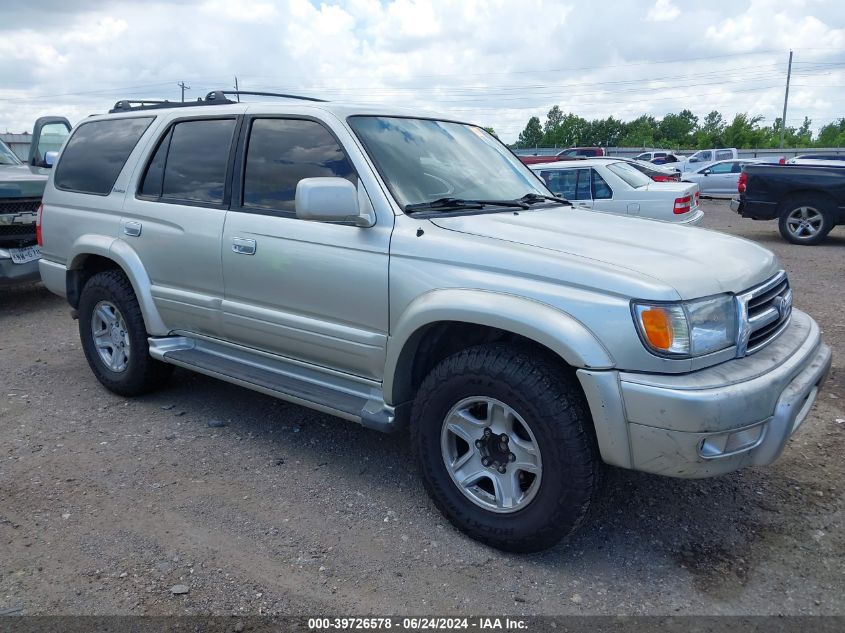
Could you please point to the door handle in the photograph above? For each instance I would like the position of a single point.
(132, 229)
(243, 245)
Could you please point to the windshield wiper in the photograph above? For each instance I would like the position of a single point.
(530, 198)
(460, 203)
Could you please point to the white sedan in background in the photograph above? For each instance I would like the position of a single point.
(617, 187)
(719, 178)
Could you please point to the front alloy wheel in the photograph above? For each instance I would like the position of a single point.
(504, 442)
(491, 454)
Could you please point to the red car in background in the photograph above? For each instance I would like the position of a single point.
(567, 154)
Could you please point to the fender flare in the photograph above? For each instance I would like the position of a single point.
(542, 323)
(127, 259)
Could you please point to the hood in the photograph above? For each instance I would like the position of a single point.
(22, 181)
(694, 262)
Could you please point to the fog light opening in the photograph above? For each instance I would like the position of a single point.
(725, 444)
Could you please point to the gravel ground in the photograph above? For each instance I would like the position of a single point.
(258, 506)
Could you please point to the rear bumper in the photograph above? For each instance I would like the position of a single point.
(694, 220)
(12, 273)
(754, 209)
(715, 420)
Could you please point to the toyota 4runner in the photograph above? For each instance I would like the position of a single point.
(392, 269)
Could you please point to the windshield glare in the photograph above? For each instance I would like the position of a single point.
(423, 160)
(7, 156)
(631, 175)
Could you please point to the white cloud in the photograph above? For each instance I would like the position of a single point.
(495, 62)
(663, 11)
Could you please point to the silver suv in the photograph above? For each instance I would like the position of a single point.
(393, 269)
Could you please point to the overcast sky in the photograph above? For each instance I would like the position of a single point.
(494, 62)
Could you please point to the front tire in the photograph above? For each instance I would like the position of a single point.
(114, 337)
(805, 220)
(503, 440)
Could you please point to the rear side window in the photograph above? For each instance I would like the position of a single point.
(190, 162)
(724, 155)
(601, 190)
(281, 152)
(572, 184)
(97, 152)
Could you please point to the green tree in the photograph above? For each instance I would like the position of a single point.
(832, 134)
(641, 132)
(678, 130)
(491, 131)
(745, 131)
(604, 132)
(711, 132)
(532, 135)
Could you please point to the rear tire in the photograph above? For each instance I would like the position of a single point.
(805, 220)
(114, 337)
(521, 393)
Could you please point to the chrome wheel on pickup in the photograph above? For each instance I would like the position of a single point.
(491, 454)
(805, 220)
(504, 441)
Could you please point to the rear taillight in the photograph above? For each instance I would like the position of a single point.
(782, 160)
(38, 236)
(697, 197)
(682, 205)
(742, 183)
(660, 178)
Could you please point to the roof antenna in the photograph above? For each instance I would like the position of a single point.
(236, 88)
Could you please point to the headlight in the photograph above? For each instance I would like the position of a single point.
(687, 328)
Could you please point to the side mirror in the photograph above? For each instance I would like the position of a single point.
(48, 135)
(332, 200)
(50, 158)
(706, 172)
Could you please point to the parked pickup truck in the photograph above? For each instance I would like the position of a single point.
(21, 186)
(398, 270)
(567, 154)
(807, 201)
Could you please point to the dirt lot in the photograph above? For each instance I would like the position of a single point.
(106, 504)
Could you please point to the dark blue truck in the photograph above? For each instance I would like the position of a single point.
(807, 200)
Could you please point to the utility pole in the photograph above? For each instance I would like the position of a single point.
(785, 100)
(182, 85)
(236, 88)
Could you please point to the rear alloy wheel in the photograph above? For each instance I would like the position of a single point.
(504, 441)
(805, 222)
(114, 337)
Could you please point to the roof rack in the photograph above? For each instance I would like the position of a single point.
(215, 97)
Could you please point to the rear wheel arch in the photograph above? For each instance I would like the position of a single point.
(88, 259)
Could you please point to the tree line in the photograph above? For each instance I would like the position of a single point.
(675, 130)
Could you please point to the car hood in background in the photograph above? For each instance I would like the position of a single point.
(22, 181)
(694, 262)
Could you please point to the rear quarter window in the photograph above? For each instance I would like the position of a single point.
(96, 153)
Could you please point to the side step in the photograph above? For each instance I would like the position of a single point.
(325, 390)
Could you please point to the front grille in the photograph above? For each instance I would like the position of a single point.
(17, 221)
(19, 205)
(765, 313)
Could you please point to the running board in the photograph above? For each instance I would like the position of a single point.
(321, 389)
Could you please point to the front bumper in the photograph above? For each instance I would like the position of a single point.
(12, 273)
(715, 420)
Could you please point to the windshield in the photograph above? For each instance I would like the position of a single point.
(423, 161)
(7, 156)
(629, 174)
